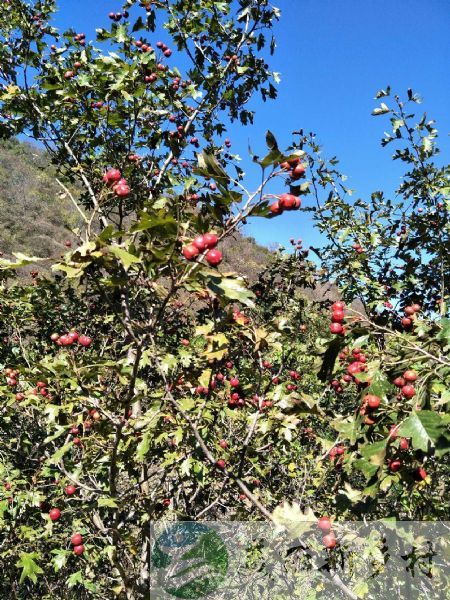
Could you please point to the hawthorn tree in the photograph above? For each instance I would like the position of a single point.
(143, 381)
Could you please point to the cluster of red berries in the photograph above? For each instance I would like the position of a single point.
(410, 313)
(164, 49)
(237, 399)
(41, 388)
(337, 318)
(405, 383)
(80, 38)
(325, 526)
(8, 487)
(285, 202)
(295, 167)
(358, 248)
(70, 338)
(337, 454)
(395, 464)
(201, 243)
(356, 365)
(77, 543)
(118, 16)
(119, 185)
(291, 387)
(12, 376)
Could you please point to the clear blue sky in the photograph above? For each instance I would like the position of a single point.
(333, 56)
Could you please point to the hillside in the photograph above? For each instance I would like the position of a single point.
(36, 218)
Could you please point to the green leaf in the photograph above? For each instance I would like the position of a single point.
(291, 518)
(57, 456)
(208, 165)
(121, 33)
(71, 272)
(233, 288)
(107, 502)
(375, 453)
(60, 559)
(271, 141)
(75, 578)
(22, 261)
(425, 428)
(273, 157)
(348, 428)
(143, 447)
(367, 468)
(125, 257)
(30, 568)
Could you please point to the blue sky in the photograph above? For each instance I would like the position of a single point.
(333, 56)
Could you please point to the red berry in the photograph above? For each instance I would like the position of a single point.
(338, 316)
(112, 175)
(84, 340)
(200, 243)
(336, 328)
(234, 382)
(122, 190)
(210, 240)
(54, 514)
(275, 208)
(223, 444)
(287, 201)
(372, 401)
(410, 376)
(406, 322)
(395, 465)
(399, 382)
(221, 463)
(214, 257)
(66, 340)
(420, 474)
(190, 251)
(404, 444)
(70, 490)
(78, 550)
(329, 541)
(408, 391)
(77, 539)
(324, 524)
(298, 171)
(338, 306)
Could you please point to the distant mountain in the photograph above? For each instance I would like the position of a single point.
(34, 217)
